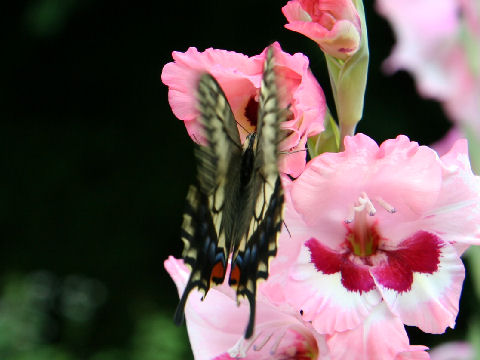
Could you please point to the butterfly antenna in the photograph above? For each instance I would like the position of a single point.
(286, 227)
(244, 129)
(292, 152)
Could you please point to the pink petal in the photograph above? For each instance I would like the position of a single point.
(432, 302)
(453, 351)
(323, 299)
(457, 155)
(414, 352)
(209, 333)
(380, 336)
(295, 343)
(178, 272)
(459, 198)
(413, 171)
(399, 171)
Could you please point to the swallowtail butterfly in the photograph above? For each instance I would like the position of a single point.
(237, 207)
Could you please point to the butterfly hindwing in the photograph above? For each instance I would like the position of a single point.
(202, 252)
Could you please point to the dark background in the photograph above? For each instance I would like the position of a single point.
(95, 166)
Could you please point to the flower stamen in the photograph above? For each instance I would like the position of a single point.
(274, 348)
(258, 347)
(365, 204)
(362, 236)
(386, 205)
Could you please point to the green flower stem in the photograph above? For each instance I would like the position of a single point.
(349, 80)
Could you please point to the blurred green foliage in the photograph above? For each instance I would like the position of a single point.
(48, 17)
(30, 321)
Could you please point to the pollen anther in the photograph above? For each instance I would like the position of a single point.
(364, 203)
(386, 205)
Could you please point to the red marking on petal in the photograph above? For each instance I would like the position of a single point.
(324, 259)
(218, 273)
(394, 274)
(251, 111)
(355, 278)
(419, 253)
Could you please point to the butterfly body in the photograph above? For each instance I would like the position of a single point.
(236, 209)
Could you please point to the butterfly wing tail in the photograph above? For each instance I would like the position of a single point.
(251, 262)
(201, 253)
(251, 297)
(180, 311)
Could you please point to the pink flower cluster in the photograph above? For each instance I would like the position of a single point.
(439, 43)
(374, 239)
(373, 235)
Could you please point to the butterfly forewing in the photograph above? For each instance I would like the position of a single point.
(221, 134)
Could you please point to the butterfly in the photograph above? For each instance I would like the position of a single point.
(237, 206)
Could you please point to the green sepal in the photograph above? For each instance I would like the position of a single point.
(474, 155)
(327, 141)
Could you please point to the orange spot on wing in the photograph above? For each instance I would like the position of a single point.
(218, 272)
(234, 275)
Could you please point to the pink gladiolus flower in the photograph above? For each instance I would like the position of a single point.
(240, 77)
(453, 351)
(380, 336)
(385, 225)
(425, 31)
(439, 42)
(216, 326)
(334, 25)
